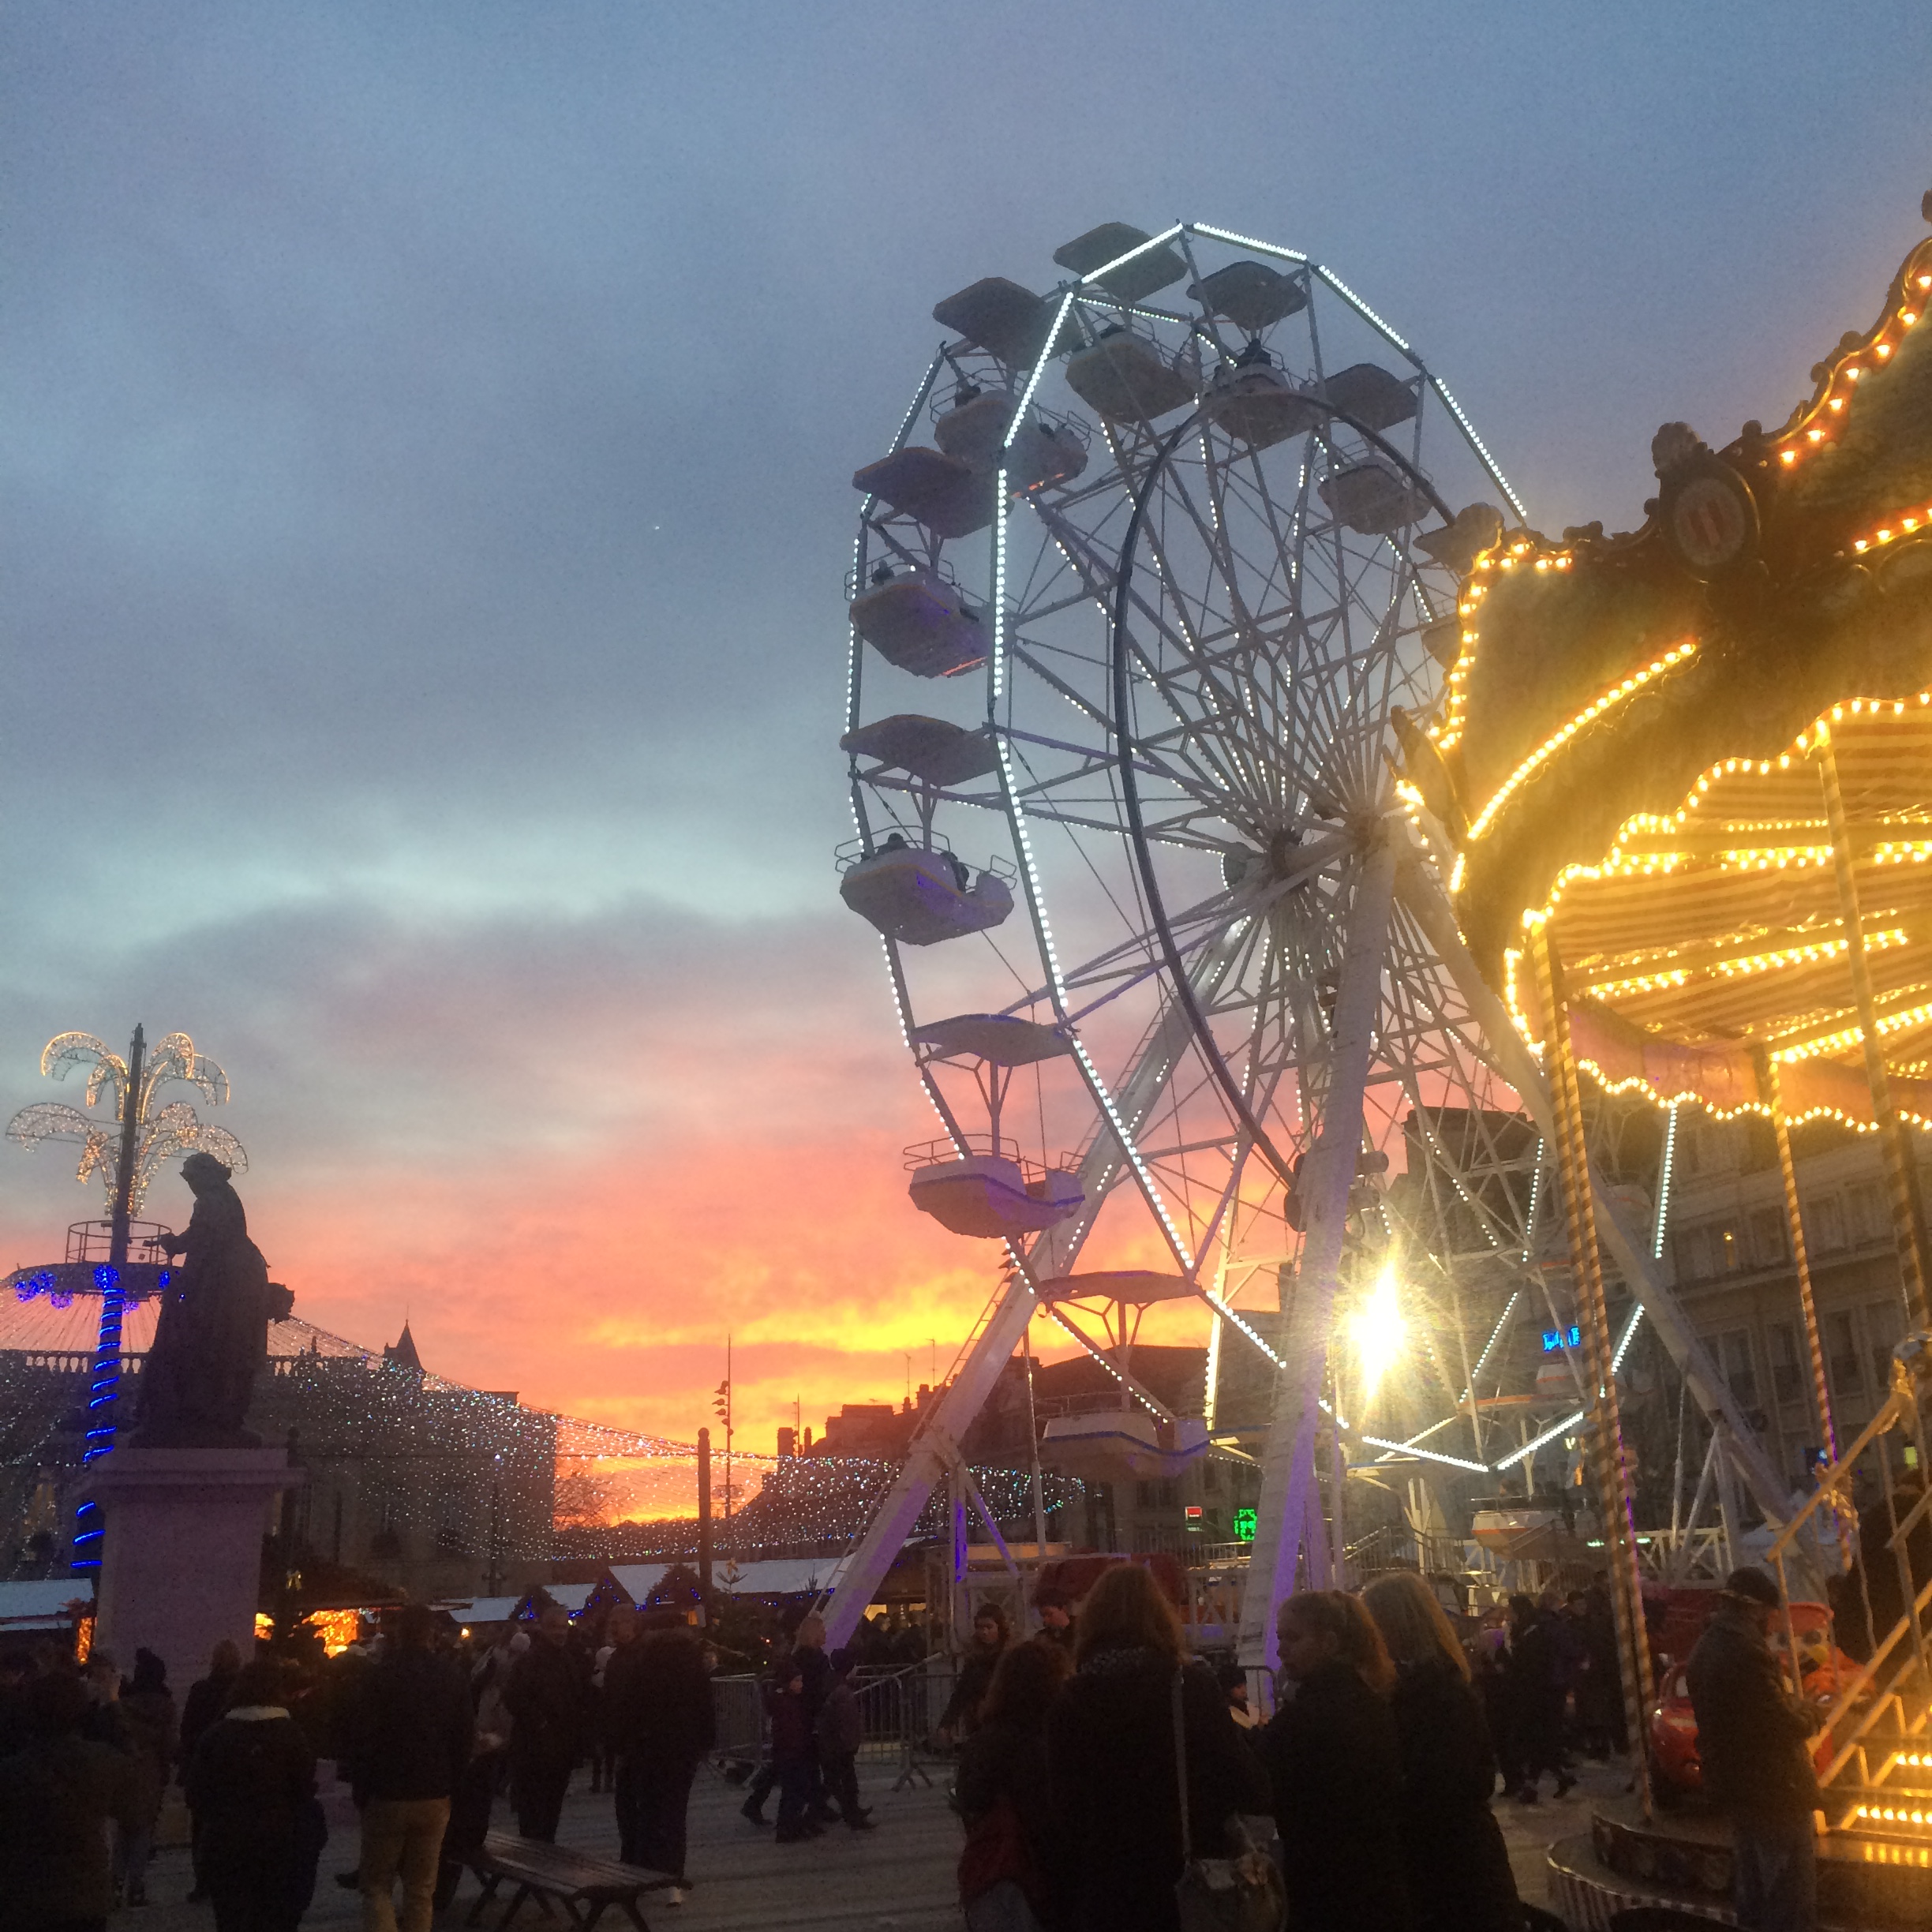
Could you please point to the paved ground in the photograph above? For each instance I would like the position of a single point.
(898, 1878)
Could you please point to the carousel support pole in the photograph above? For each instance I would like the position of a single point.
(1909, 1221)
(1794, 1222)
(1605, 1430)
(1282, 1519)
(1339, 1578)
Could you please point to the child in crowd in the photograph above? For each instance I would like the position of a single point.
(792, 1755)
(841, 1730)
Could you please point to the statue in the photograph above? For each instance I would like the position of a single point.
(213, 1333)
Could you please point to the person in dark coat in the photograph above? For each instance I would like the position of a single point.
(791, 1751)
(206, 1699)
(991, 1634)
(1112, 1761)
(808, 1651)
(410, 1738)
(1532, 1670)
(149, 1707)
(57, 1796)
(657, 1698)
(1009, 1862)
(839, 1733)
(1753, 1738)
(1458, 1866)
(549, 1698)
(252, 1784)
(1335, 1757)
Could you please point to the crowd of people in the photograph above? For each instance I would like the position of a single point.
(426, 1734)
(1097, 1760)
(1098, 1754)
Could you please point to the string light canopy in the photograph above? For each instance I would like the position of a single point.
(1645, 732)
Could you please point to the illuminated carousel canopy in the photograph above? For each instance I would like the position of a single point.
(1640, 731)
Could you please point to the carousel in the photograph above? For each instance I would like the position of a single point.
(1681, 793)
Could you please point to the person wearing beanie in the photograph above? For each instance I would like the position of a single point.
(1754, 1741)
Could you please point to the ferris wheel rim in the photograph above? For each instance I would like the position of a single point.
(1142, 490)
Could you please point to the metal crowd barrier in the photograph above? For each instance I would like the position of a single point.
(900, 1709)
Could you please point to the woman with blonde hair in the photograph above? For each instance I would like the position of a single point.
(1113, 1765)
(1459, 1875)
(1332, 1753)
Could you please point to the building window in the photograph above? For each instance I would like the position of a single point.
(1767, 1226)
(1842, 1360)
(1144, 1496)
(1871, 1217)
(1735, 1351)
(1824, 1223)
(1884, 1328)
(1787, 1363)
(1692, 1249)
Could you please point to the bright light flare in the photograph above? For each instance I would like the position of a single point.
(1376, 1329)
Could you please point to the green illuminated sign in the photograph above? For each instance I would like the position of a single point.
(1244, 1526)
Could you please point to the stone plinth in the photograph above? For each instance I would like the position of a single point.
(181, 1555)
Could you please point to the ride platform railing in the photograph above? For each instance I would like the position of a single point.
(1874, 1678)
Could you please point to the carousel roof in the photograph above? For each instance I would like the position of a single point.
(1631, 746)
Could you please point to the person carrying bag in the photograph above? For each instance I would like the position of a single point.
(1241, 1894)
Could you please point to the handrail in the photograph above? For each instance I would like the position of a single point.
(1891, 1412)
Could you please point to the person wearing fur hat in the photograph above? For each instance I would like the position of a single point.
(1753, 1740)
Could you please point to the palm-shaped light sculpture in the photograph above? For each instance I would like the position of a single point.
(126, 1156)
(159, 1133)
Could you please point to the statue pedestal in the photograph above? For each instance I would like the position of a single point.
(181, 1555)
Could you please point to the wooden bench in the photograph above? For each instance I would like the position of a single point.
(586, 1886)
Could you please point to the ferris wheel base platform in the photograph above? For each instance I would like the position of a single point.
(1683, 1861)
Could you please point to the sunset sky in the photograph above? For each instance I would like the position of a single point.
(427, 459)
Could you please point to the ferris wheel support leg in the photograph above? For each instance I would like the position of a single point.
(1288, 1517)
(1423, 897)
(934, 1453)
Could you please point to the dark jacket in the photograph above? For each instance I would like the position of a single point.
(548, 1699)
(790, 1729)
(410, 1733)
(55, 1798)
(208, 1697)
(657, 1698)
(1336, 1759)
(1751, 1732)
(151, 1739)
(251, 1783)
(975, 1680)
(1007, 1759)
(841, 1727)
(1458, 1866)
(1111, 1772)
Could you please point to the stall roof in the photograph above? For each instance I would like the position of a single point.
(637, 1580)
(780, 1576)
(481, 1609)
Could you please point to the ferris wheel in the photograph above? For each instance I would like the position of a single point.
(1157, 577)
